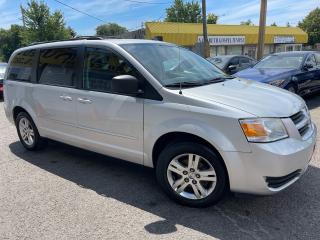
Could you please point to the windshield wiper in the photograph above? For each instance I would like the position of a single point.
(218, 79)
(184, 84)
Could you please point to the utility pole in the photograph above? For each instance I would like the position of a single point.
(206, 51)
(262, 28)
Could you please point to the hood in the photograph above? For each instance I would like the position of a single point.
(266, 74)
(259, 99)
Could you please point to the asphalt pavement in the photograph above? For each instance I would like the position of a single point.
(64, 192)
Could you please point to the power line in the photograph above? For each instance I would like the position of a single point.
(142, 2)
(99, 19)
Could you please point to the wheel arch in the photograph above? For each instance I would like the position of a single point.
(18, 108)
(173, 137)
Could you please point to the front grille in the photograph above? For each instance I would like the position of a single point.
(276, 182)
(303, 123)
(297, 118)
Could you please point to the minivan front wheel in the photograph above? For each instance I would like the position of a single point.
(28, 132)
(191, 174)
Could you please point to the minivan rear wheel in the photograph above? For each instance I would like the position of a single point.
(191, 174)
(28, 132)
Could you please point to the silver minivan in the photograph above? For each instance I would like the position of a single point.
(162, 106)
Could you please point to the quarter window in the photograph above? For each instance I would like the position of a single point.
(58, 67)
(101, 66)
(21, 66)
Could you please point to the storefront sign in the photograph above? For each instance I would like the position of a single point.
(224, 40)
(284, 39)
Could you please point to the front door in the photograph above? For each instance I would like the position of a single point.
(109, 123)
(309, 82)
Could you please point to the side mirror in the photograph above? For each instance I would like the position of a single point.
(125, 84)
(307, 66)
(232, 67)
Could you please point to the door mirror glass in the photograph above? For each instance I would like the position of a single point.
(125, 84)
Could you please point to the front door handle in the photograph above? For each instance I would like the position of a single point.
(84, 100)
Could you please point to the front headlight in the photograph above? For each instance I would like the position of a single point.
(263, 129)
(277, 83)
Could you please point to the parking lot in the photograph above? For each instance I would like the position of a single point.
(68, 193)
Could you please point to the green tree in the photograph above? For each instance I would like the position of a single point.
(189, 12)
(42, 25)
(274, 24)
(212, 18)
(311, 24)
(248, 23)
(10, 40)
(110, 29)
(288, 24)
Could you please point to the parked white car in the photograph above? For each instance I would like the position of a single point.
(162, 106)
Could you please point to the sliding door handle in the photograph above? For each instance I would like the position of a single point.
(84, 100)
(66, 98)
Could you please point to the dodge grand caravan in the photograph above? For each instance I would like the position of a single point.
(160, 105)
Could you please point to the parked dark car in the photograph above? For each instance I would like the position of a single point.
(232, 64)
(298, 72)
(3, 67)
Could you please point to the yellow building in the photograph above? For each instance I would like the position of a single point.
(228, 39)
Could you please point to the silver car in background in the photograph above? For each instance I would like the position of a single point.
(162, 106)
(232, 64)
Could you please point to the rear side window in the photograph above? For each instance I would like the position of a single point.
(58, 67)
(244, 60)
(101, 66)
(21, 66)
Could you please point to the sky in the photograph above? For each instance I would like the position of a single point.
(132, 13)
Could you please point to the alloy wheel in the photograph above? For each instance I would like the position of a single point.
(26, 131)
(191, 176)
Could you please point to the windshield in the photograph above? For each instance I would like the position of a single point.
(220, 62)
(172, 65)
(281, 61)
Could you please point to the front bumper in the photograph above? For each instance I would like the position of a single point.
(251, 172)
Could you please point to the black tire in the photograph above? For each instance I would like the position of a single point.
(176, 149)
(39, 142)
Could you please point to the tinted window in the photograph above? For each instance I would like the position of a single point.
(101, 66)
(244, 60)
(21, 66)
(234, 61)
(220, 61)
(57, 66)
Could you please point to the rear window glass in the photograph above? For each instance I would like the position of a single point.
(57, 67)
(21, 66)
